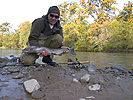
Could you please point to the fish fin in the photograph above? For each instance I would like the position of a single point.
(71, 50)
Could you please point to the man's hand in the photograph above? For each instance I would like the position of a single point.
(65, 52)
(42, 54)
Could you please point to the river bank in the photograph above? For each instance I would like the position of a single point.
(65, 83)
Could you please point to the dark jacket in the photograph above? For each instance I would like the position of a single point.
(41, 26)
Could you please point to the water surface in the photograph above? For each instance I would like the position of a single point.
(99, 59)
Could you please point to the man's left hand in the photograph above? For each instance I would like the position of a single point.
(65, 52)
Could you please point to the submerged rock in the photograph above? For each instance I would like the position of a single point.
(31, 85)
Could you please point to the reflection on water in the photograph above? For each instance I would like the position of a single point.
(99, 59)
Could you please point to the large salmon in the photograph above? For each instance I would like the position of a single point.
(49, 51)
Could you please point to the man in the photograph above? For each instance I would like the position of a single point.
(47, 32)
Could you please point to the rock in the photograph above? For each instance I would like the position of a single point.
(90, 97)
(94, 87)
(122, 70)
(3, 59)
(2, 64)
(75, 80)
(73, 75)
(11, 63)
(0, 89)
(31, 85)
(14, 59)
(91, 68)
(82, 99)
(130, 72)
(85, 78)
(5, 73)
(13, 70)
(18, 76)
(37, 94)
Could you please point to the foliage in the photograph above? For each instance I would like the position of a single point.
(17, 39)
(108, 32)
(24, 31)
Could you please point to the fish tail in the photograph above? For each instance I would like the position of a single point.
(71, 50)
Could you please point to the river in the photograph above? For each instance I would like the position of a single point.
(99, 59)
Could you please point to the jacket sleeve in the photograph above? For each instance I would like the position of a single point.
(35, 32)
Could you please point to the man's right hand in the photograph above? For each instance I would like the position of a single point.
(42, 54)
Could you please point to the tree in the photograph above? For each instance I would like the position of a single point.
(24, 31)
(126, 13)
(4, 29)
(100, 10)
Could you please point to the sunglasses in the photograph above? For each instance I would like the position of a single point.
(51, 15)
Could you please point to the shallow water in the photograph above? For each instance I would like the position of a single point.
(99, 59)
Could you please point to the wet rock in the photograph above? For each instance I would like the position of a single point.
(12, 56)
(3, 64)
(82, 99)
(14, 59)
(5, 73)
(85, 78)
(31, 85)
(13, 70)
(3, 59)
(37, 94)
(73, 75)
(19, 76)
(0, 89)
(119, 69)
(75, 80)
(11, 63)
(130, 72)
(94, 87)
(90, 97)
(91, 68)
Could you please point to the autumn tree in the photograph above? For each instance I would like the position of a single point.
(126, 13)
(4, 29)
(24, 31)
(121, 38)
(100, 10)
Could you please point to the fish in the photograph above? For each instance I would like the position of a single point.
(49, 51)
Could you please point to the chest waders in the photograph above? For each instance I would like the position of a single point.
(53, 41)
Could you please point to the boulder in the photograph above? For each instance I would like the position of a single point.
(31, 85)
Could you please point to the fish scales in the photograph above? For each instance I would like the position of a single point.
(49, 51)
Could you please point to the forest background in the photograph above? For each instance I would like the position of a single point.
(110, 32)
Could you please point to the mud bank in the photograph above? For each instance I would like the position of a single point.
(57, 84)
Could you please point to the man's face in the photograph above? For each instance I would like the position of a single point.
(52, 18)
